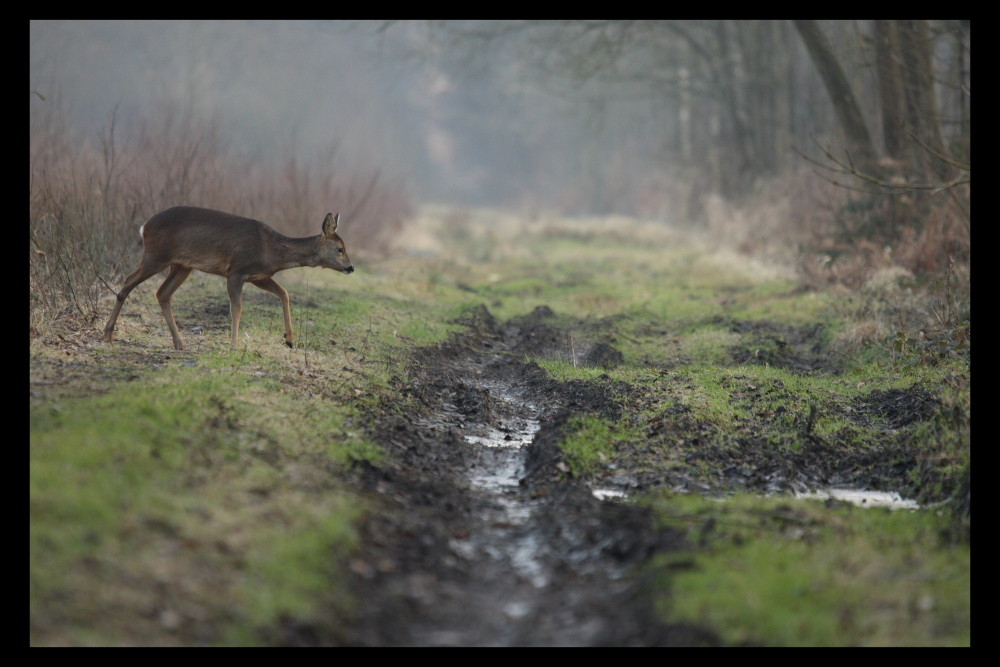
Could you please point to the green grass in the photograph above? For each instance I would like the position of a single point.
(297, 572)
(203, 461)
(206, 484)
(795, 573)
(591, 443)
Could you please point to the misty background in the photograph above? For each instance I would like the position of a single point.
(675, 121)
(497, 120)
(306, 87)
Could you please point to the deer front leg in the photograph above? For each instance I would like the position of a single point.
(235, 287)
(145, 271)
(269, 285)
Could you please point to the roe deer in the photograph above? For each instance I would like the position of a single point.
(185, 238)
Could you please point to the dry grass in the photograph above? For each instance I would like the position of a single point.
(903, 259)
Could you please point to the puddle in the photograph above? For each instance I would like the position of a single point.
(863, 498)
(609, 494)
(498, 470)
(505, 437)
(859, 497)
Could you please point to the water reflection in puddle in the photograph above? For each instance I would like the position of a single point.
(863, 498)
(498, 471)
(859, 497)
(608, 494)
(506, 438)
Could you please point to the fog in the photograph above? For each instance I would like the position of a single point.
(371, 92)
(650, 118)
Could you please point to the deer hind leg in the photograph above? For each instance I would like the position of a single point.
(145, 271)
(177, 275)
(269, 285)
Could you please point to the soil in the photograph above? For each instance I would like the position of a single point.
(482, 537)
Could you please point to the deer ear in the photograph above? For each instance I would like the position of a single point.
(330, 224)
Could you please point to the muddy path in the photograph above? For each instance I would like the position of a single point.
(480, 538)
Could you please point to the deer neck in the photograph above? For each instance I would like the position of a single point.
(290, 253)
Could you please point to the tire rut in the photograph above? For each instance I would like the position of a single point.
(481, 539)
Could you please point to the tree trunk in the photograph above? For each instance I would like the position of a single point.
(738, 168)
(859, 143)
(922, 115)
(890, 86)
